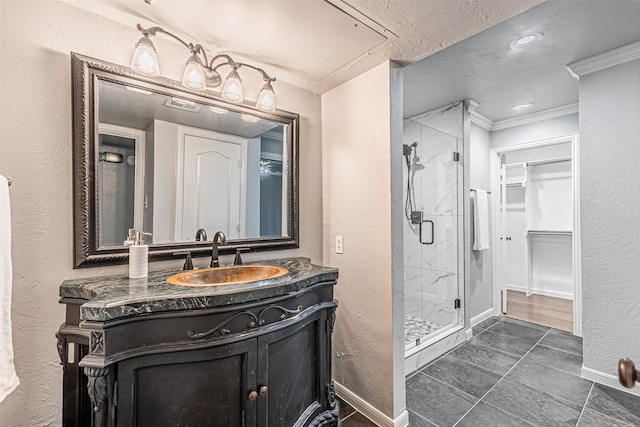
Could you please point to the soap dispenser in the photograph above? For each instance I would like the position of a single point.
(139, 256)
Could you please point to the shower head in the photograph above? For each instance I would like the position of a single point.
(406, 149)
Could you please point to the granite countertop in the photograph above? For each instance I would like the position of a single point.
(114, 297)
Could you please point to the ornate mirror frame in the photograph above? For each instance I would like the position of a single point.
(87, 253)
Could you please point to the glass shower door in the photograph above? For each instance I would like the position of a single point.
(433, 224)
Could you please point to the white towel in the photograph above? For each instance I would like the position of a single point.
(481, 221)
(8, 378)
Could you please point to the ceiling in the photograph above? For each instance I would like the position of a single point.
(314, 44)
(453, 49)
(484, 68)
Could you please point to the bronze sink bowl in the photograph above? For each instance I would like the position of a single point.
(226, 275)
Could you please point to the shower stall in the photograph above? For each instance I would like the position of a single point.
(433, 227)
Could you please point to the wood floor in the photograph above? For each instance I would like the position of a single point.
(542, 310)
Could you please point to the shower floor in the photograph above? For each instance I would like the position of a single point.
(416, 328)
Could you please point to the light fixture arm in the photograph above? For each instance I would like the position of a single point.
(236, 65)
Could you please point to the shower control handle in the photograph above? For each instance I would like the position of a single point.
(432, 232)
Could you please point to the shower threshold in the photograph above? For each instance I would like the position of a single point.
(420, 344)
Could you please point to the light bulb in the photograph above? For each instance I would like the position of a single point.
(145, 59)
(232, 89)
(193, 76)
(267, 98)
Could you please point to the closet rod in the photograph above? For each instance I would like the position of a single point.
(544, 162)
(473, 189)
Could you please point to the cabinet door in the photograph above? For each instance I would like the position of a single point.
(292, 366)
(207, 387)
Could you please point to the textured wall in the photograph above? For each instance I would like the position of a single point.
(35, 151)
(357, 174)
(609, 217)
(479, 288)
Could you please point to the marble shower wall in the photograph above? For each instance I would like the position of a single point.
(432, 272)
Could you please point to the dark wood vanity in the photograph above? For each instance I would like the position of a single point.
(146, 353)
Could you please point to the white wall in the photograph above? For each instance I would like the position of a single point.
(360, 165)
(35, 152)
(537, 131)
(609, 217)
(479, 285)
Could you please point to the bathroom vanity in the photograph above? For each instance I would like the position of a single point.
(143, 352)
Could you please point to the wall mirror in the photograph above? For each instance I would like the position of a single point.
(154, 156)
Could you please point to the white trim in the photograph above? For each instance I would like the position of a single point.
(605, 60)
(536, 117)
(366, 409)
(577, 260)
(538, 291)
(482, 317)
(606, 379)
(482, 121)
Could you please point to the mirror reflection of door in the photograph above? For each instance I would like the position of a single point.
(212, 188)
(119, 171)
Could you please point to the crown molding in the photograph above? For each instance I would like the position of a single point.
(482, 121)
(536, 117)
(605, 60)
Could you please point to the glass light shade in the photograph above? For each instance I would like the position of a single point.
(267, 98)
(145, 60)
(193, 76)
(232, 89)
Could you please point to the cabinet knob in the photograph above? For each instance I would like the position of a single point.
(263, 390)
(253, 395)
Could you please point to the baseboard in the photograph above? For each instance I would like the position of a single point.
(482, 317)
(369, 411)
(545, 292)
(607, 379)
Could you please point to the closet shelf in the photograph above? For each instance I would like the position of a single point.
(549, 233)
(516, 184)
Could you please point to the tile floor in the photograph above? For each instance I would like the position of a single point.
(511, 374)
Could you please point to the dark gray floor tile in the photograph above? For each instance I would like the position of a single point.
(437, 402)
(568, 362)
(416, 420)
(552, 381)
(564, 341)
(487, 415)
(358, 420)
(345, 409)
(523, 323)
(487, 323)
(485, 357)
(591, 418)
(462, 375)
(503, 342)
(532, 405)
(520, 330)
(615, 403)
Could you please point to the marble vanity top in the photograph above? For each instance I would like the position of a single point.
(114, 297)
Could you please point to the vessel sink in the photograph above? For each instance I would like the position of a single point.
(226, 275)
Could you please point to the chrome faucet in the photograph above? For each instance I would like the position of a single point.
(201, 235)
(218, 239)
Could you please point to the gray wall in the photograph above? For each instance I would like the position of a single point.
(480, 275)
(609, 215)
(544, 129)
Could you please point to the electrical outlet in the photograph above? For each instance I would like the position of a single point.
(339, 244)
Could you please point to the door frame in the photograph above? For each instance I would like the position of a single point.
(494, 158)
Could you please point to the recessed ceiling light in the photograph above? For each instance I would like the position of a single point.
(527, 40)
(217, 110)
(521, 107)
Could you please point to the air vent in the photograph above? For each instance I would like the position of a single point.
(182, 104)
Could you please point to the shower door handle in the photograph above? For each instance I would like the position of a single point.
(432, 232)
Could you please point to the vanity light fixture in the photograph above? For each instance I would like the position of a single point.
(199, 72)
(525, 41)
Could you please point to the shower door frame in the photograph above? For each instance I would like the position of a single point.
(498, 286)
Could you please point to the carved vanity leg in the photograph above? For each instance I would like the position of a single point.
(100, 388)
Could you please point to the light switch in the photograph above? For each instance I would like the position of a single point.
(339, 244)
